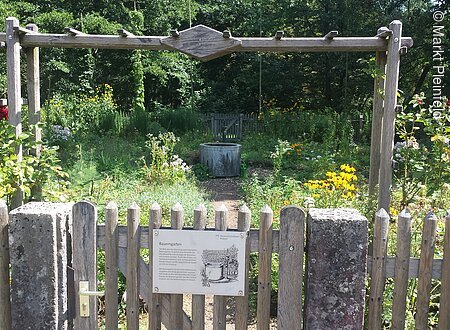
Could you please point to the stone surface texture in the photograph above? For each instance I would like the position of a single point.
(40, 249)
(335, 269)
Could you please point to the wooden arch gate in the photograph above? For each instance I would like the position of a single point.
(204, 43)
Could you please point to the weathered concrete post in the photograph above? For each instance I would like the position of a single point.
(336, 269)
(40, 248)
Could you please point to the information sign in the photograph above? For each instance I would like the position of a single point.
(199, 262)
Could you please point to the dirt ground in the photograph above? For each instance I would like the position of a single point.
(225, 191)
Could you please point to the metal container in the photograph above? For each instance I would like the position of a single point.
(222, 159)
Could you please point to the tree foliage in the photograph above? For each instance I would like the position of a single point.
(311, 81)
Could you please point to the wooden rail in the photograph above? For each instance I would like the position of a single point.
(413, 269)
(338, 44)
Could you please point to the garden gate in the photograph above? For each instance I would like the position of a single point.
(229, 127)
(122, 251)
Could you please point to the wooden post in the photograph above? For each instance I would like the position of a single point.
(198, 301)
(219, 310)
(378, 269)
(290, 274)
(133, 257)
(14, 94)
(5, 300)
(176, 300)
(241, 126)
(377, 117)
(244, 220)
(444, 316)
(34, 101)
(390, 105)
(425, 270)
(154, 300)
(265, 269)
(403, 253)
(111, 266)
(84, 235)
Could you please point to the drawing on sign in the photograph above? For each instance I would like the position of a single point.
(220, 266)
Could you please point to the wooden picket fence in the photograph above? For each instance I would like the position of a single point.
(402, 268)
(122, 246)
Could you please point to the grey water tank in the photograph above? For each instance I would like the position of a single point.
(222, 159)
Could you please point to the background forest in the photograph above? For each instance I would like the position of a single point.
(293, 82)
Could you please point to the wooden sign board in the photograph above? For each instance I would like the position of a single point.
(199, 262)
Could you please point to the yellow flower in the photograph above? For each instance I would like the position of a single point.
(393, 212)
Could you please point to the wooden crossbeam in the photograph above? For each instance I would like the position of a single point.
(73, 32)
(339, 44)
(331, 35)
(342, 44)
(124, 33)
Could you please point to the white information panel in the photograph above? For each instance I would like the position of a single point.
(199, 262)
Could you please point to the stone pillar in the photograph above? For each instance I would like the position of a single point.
(336, 269)
(40, 248)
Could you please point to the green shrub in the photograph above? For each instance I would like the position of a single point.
(423, 154)
(29, 172)
(82, 113)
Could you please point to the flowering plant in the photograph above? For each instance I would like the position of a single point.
(422, 156)
(3, 112)
(336, 189)
(165, 166)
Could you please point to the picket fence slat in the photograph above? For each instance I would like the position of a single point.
(380, 236)
(198, 301)
(84, 217)
(133, 216)
(265, 269)
(154, 299)
(111, 267)
(244, 220)
(426, 260)
(403, 254)
(444, 318)
(219, 310)
(290, 274)
(5, 302)
(176, 300)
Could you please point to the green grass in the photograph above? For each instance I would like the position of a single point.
(108, 168)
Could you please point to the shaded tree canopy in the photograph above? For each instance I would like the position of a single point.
(311, 81)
